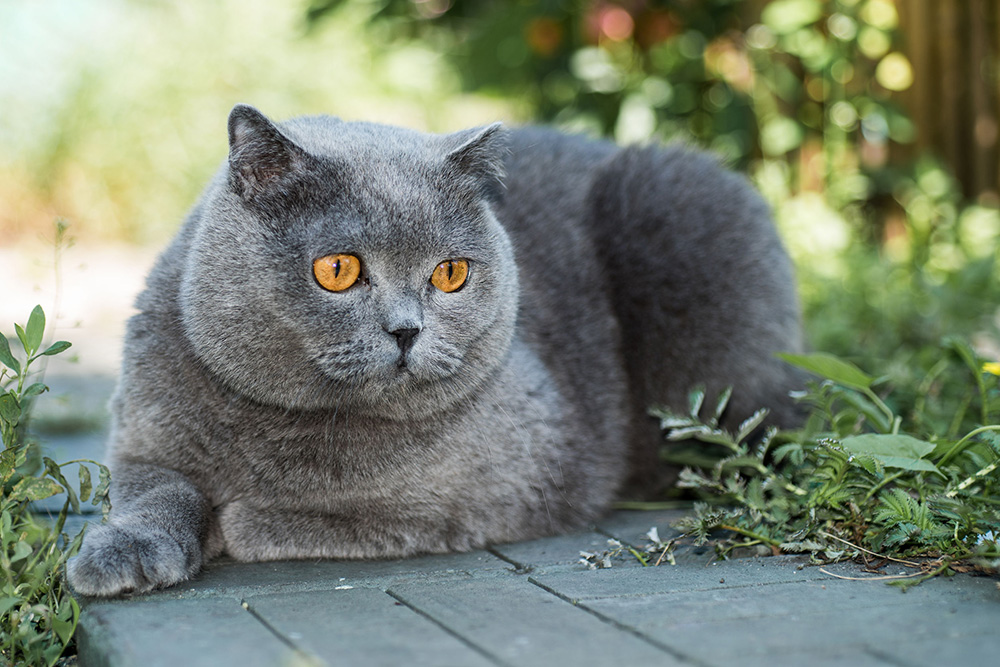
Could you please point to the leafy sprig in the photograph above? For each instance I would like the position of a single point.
(38, 616)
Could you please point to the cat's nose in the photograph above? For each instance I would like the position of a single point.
(404, 338)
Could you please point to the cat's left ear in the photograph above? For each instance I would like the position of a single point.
(480, 153)
(261, 158)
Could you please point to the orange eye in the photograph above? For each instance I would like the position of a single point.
(337, 272)
(450, 275)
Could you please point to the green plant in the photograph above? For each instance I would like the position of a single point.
(38, 616)
(858, 479)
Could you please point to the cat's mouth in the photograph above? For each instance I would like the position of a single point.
(397, 370)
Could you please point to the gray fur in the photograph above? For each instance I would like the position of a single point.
(261, 416)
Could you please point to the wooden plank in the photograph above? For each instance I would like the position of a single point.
(225, 577)
(983, 51)
(632, 526)
(161, 631)
(362, 626)
(475, 609)
(521, 624)
(773, 622)
(688, 575)
(561, 551)
(915, 26)
(953, 102)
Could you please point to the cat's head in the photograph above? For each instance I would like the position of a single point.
(352, 265)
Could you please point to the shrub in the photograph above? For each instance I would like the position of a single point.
(38, 616)
(860, 478)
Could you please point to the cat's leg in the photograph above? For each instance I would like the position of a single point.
(155, 537)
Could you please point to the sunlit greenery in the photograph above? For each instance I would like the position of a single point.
(802, 94)
(114, 111)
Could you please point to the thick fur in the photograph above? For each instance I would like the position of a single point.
(262, 416)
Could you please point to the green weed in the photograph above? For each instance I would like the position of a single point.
(38, 616)
(860, 479)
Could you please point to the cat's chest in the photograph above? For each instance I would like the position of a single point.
(321, 461)
(326, 461)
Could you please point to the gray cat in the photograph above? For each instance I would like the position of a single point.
(368, 342)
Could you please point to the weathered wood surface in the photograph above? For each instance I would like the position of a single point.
(534, 604)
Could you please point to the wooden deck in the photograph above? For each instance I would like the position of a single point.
(534, 603)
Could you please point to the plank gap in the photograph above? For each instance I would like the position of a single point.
(519, 567)
(683, 657)
(475, 647)
(303, 657)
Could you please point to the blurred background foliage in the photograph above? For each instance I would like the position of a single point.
(114, 113)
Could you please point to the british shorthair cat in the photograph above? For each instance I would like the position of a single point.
(370, 342)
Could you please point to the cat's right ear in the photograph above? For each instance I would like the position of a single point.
(261, 158)
(480, 153)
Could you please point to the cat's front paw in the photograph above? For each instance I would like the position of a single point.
(117, 559)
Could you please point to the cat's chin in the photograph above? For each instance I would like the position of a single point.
(410, 391)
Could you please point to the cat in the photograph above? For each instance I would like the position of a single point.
(370, 342)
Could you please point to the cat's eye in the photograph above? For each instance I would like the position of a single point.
(450, 275)
(337, 272)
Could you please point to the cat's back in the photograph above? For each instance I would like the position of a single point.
(678, 252)
(550, 170)
(544, 210)
(565, 314)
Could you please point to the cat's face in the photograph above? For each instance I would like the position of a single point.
(352, 266)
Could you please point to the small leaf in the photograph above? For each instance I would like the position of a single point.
(34, 390)
(10, 408)
(718, 438)
(720, 406)
(21, 551)
(35, 488)
(23, 337)
(8, 603)
(101, 492)
(51, 654)
(695, 399)
(893, 451)
(57, 347)
(6, 358)
(53, 469)
(991, 439)
(859, 402)
(7, 534)
(828, 366)
(688, 432)
(35, 329)
(669, 421)
(64, 623)
(8, 465)
(85, 483)
(887, 445)
(750, 423)
(737, 462)
(872, 465)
